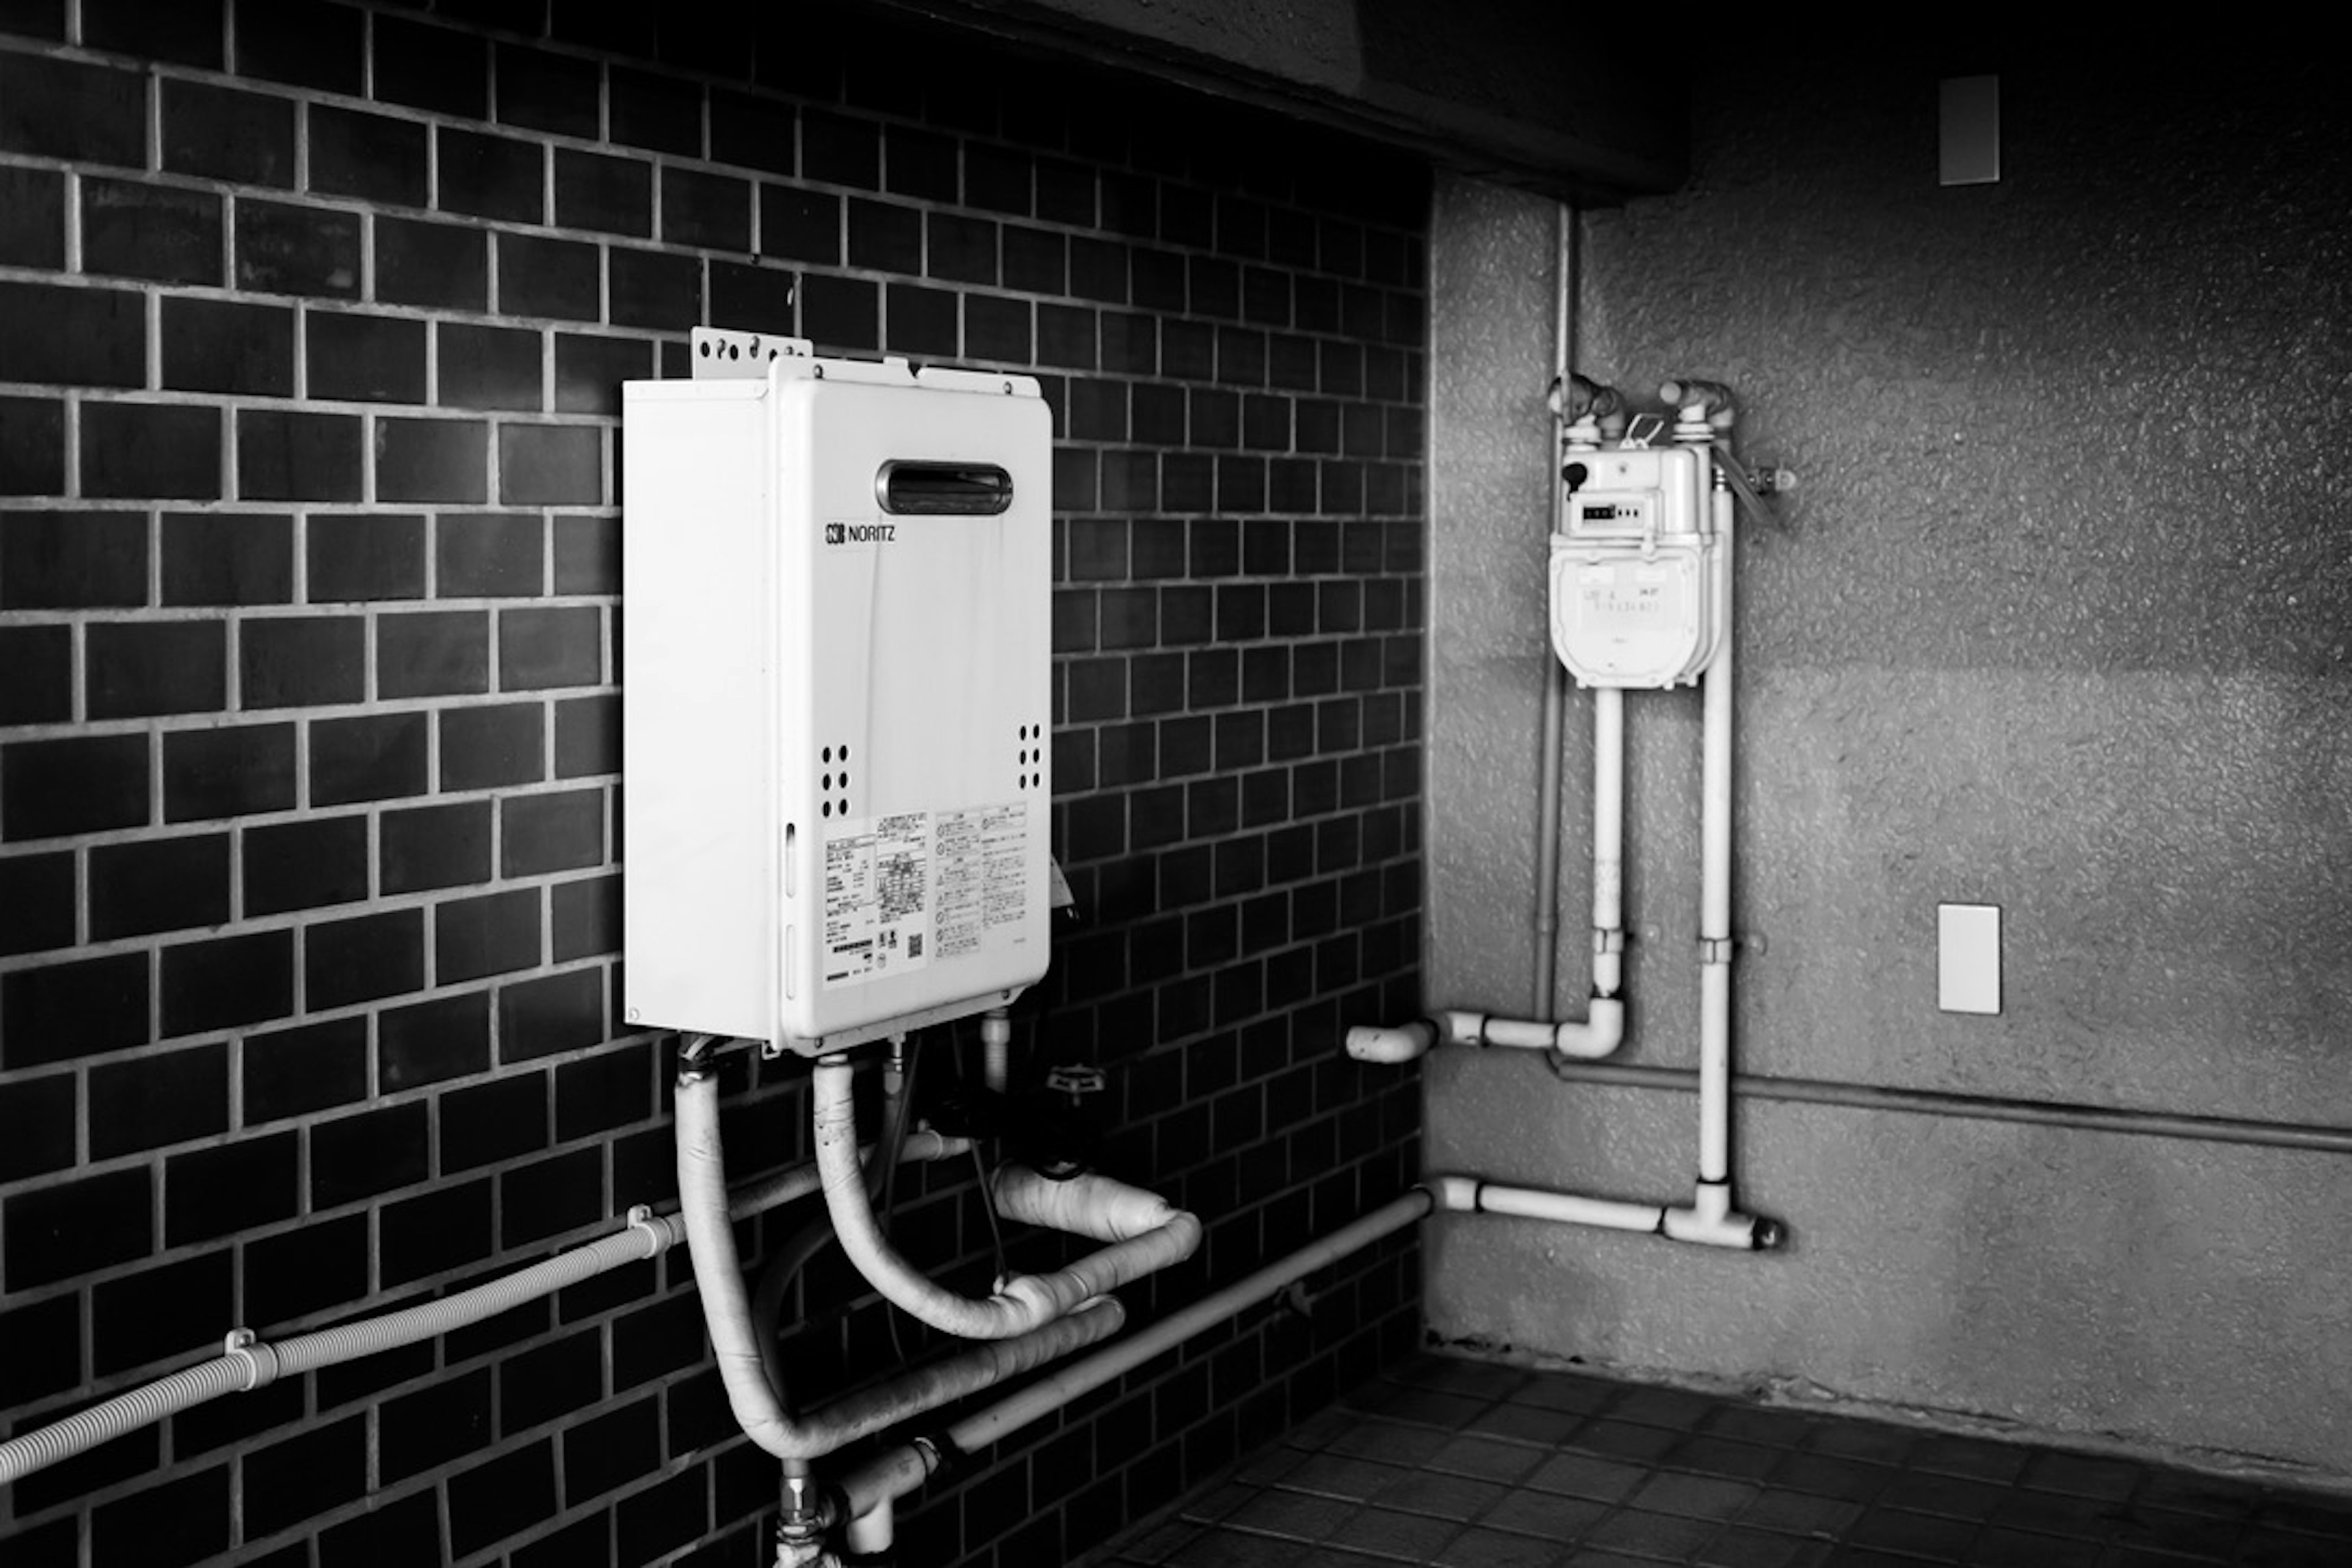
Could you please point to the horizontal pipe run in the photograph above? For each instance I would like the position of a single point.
(256, 1363)
(1707, 1220)
(1600, 1035)
(2301, 1135)
(1563, 1208)
(897, 1471)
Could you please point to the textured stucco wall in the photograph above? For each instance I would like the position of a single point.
(2060, 620)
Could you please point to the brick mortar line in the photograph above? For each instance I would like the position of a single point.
(234, 192)
(243, 402)
(441, 1184)
(160, 725)
(159, 942)
(322, 609)
(709, 86)
(604, 239)
(196, 827)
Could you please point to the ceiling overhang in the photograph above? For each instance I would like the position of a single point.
(1522, 91)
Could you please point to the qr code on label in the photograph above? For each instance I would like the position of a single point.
(915, 945)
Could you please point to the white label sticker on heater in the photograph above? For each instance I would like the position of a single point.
(878, 898)
(984, 892)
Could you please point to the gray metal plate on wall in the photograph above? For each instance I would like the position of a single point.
(720, 354)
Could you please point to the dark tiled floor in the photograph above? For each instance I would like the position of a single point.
(1470, 1463)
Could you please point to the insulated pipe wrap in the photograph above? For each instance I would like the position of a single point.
(1000, 1317)
(1024, 1302)
(981, 1366)
(719, 1274)
(718, 1270)
(1090, 1206)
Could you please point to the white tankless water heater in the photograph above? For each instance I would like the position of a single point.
(837, 580)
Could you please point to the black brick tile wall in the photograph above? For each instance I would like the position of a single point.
(313, 322)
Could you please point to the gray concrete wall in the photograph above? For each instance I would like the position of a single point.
(2060, 620)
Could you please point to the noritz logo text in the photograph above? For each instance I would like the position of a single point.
(860, 532)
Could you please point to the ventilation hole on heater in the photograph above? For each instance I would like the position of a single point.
(826, 783)
(824, 808)
(827, 754)
(845, 808)
(844, 753)
(844, 778)
(704, 350)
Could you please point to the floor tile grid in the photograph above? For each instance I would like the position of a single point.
(1456, 1462)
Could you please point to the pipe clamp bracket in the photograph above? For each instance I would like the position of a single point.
(655, 1232)
(1716, 949)
(1608, 941)
(260, 1360)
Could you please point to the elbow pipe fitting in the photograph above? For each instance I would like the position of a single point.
(1599, 1035)
(1710, 400)
(1581, 397)
(1406, 1042)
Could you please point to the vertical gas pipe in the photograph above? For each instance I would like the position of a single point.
(1704, 414)
(1555, 696)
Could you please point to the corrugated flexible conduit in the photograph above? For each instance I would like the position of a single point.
(248, 1363)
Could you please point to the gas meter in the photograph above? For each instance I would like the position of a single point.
(1638, 570)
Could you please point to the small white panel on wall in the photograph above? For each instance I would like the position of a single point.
(1969, 125)
(1968, 958)
(836, 591)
